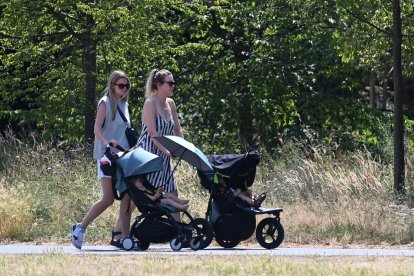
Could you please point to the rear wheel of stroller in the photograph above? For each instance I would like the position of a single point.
(176, 243)
(206, 232)
(143, 245)
(127, 244)
(270, 233)
(195, 243)
(227, 243)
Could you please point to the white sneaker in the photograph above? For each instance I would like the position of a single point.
(77, 235)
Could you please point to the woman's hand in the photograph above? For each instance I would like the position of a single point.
(114, 143)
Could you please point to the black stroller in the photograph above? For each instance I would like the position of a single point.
(232, 219)
(155, 224)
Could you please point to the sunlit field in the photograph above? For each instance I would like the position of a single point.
(342, 201)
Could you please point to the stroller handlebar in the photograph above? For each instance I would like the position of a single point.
(118, 147)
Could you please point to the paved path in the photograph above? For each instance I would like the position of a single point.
(166, 250)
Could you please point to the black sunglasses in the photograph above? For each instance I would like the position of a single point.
(122, 86)
(170, 83)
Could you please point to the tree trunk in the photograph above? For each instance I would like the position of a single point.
(89, 67)
(399, 170)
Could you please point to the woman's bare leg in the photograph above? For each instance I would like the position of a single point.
(102, 204)
(124, 218)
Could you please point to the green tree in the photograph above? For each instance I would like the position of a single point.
(378, 24)
(50, 54)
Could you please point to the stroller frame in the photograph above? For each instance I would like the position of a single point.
(269, 231)
(196, 234)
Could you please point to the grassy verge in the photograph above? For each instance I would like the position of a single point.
(341, 200)
(56, 264)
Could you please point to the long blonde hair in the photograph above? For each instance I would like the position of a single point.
(155, 77)
(109, 91)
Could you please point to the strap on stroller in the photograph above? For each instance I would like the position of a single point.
(114, 190)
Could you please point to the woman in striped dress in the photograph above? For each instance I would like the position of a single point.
(159, 117)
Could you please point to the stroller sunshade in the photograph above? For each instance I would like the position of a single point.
(236, 170)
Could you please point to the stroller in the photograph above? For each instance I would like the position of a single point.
(155, 224)
(232, 219)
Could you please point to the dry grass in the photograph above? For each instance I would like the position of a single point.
(57, 264)
(343, 200)
(13, 224)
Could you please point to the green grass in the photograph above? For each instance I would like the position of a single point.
(327, 199)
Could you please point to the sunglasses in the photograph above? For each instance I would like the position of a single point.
(122, 86)
(170, 83)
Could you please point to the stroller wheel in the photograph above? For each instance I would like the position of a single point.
(206, 232)
(127, 244)
(195, 243)
(176, 244)
(143, 245)
(270, 233)
(227, 243)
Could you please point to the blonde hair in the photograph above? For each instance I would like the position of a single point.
(155, 77)
(109, 91)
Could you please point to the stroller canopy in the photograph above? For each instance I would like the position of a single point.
(136, 162)
(236, 170)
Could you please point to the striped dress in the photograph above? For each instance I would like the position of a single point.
(159, 179)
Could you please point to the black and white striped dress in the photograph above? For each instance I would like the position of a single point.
(159, 179)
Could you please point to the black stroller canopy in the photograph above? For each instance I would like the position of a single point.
(236, 170)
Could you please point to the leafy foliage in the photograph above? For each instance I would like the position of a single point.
(249, 73)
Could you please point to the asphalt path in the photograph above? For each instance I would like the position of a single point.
(211, 251)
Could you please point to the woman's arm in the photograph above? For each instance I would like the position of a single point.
(149, 112)
(99, 122)
(177, 127)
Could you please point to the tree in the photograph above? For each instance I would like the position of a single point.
(369, 19)
(49, 53)
(399, 163)
(249, 73)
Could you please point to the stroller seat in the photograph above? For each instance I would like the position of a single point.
(146, 204)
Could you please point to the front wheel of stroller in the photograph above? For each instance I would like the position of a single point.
(206, 232)
(270, 233)
(176, 244)
(127, 244)
(227, 243)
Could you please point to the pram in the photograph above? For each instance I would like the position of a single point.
(155, 224)
(232, 219)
